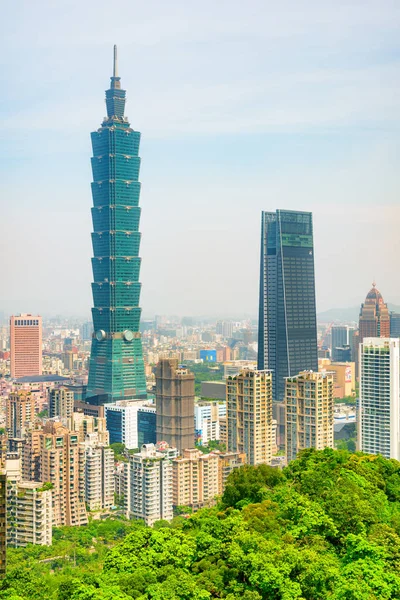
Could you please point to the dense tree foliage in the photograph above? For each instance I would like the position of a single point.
(328, 526)
(206, 372)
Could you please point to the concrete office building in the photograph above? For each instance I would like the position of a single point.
(174, 404)
(20, 413)
(151, 484)
(122, 421)
(309, 412)
(249, 412)
(25, 345)
(61, 402)
(146, 425)
(379, 403)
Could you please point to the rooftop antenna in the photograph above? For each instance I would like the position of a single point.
(115, 69)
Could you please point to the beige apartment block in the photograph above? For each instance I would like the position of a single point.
(309, 412)
(195, 478)
(20, 412)
(344, 376)
(85, 424)
(249, 415)
(62, 462)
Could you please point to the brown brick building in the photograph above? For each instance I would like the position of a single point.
(174, 404)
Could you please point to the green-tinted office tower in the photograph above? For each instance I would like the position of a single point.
(116, 370)
(287, 328)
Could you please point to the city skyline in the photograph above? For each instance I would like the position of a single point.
(315, 133)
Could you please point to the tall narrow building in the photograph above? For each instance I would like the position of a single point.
(309, 412)
(287, 330)
(378, 418)
(116, 370)
(174, 404)
(249, 415)
(25, 345)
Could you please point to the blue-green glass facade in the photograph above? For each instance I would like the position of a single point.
(116, 370)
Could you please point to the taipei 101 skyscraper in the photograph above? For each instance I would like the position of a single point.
(116, 370)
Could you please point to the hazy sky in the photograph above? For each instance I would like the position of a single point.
(243, 107)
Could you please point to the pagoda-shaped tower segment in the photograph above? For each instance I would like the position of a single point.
(116, 364)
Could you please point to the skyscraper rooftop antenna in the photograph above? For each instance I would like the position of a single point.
(115, 69)
(115, 79)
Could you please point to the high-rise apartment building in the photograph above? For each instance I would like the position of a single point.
(116, 370)
(99, 476)
(61, 402)
(249, 412)
(378, 417)
(30, 514)
(287, 329)
(30, 454)
(62, 463)
(374, 316)
(174, 404)
(151, 484)
(86, 425)
(309, 412)
(20, 413)
(195, 479)
(25, 345)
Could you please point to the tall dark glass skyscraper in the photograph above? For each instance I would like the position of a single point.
(287, 329)
(116, 369)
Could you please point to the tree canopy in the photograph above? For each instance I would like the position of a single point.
(327, 526)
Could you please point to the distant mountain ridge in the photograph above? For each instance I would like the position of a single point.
(347, 315)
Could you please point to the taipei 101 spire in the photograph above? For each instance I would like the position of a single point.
(116, 370)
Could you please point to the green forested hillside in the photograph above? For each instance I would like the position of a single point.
(327, 527)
